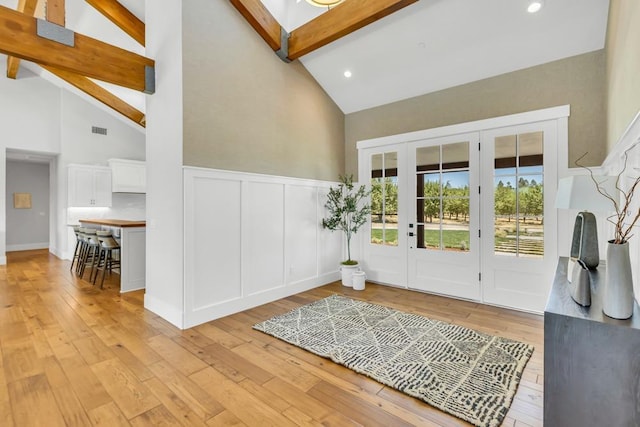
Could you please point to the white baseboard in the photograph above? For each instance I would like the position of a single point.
(164, 310)
(226, 308)
(27, 247)
(3, 260)
(57, 253)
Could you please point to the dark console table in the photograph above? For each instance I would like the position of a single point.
(591, 361)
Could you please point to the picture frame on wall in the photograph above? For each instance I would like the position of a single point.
(22, 200)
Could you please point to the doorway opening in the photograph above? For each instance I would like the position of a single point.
(29, 200)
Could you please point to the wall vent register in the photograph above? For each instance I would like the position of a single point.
(98, 130)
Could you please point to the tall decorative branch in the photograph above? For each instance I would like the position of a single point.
(622, 207)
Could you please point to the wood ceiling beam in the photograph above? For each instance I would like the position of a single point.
(28, 7)
(122, 17)
(101, 94)
(261, 20)
(56, 12)
(343, 19)
(89, 57)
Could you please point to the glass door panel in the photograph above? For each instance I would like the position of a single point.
(385, 247)
(384, 199)
(442, 197)
(518, 195)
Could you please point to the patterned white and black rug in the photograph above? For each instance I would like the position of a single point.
(469, 374)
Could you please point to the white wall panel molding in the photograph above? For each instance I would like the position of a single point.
(612, 165)
(475, 126)
(630, 136)
(251, 239)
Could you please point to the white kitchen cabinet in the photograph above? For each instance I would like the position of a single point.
(128, 176)
(89, 186)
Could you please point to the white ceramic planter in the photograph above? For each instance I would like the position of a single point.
(347, 273)
(358, 279)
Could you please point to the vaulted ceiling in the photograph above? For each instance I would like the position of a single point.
(432, 45)
(427, 45)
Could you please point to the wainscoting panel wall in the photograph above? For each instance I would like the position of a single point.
(264, 240)
(301, 229)
(251, 239)
(613, 164)
(215, 226)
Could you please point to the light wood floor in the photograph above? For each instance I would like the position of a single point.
(74, 355)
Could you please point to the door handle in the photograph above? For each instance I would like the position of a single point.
(410, 234)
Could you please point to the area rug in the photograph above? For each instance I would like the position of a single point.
(469, 374)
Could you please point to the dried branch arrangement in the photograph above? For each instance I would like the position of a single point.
(621, 204)
(624, 219)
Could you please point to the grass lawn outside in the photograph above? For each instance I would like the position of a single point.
(451, 239)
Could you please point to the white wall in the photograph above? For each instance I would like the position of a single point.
(79, 145)
(251, 239)
(27, 228)
(165, 284)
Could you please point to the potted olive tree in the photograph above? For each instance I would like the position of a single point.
(348, 211)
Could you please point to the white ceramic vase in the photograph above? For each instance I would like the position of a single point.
(617, 300)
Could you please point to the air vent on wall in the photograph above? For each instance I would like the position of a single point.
(99, 131)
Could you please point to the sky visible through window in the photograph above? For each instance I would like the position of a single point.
(508, 175)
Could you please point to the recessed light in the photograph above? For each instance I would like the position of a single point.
(324, 3)
(534, 6)
(347, 74)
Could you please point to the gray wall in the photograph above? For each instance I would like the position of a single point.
(623, 67)
(28, 228)
(578, 81)
(245, 109)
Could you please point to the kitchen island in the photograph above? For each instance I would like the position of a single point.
(131, 237)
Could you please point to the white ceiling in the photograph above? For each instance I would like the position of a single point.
(428, 46)
(436, 44)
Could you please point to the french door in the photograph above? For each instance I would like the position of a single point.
(444, 247)
(385, 249)
(519, 218)
(468, 215)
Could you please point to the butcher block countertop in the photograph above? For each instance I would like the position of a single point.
(115, 222)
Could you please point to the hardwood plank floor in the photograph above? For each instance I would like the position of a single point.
(72, 354)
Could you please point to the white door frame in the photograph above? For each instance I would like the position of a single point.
(560, 114)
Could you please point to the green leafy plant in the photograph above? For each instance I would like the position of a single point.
(347, 211)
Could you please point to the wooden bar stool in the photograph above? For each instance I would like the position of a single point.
(76, 252)
(107, 246)
(84, 245)
(91, 251)
(100, 258)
